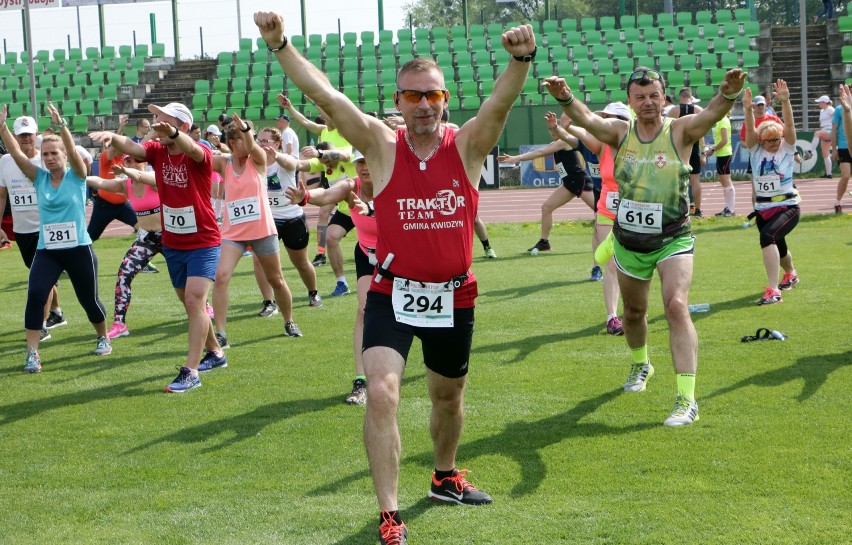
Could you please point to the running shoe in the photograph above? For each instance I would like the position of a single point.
(247, 253)
(55, 319)
(104, 347)
(211, 361)
(314, 300)
(44, 335)
(392, 532)
(638, 377)
(788, 281)
(542, 246)
(33, 363)
(150, 269)
(827, 176)
(118, 329)
(838, 209)
(342, 288)
(184, 382)
(597, 274)
(697, 213)
(291, 329)
(726, 213)
(456, 489)
(223, 341)
(319, 260)
(770, 297)
(685, 412)
(269, 309)
(209, 310)
(358, 396)
(490, 253)
(6, 245)
(614, 326)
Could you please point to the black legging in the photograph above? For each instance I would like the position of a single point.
(103, 212)
(81, 264)
(775, 229)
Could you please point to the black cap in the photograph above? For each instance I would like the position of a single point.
(285, 117)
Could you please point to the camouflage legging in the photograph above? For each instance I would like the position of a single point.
(144, 248)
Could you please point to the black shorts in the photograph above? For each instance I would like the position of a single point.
(843, 155)
(579, 184)
(446, 350)
(294, 232)
(318, 181)
(341, 219)
(723, 164)
(27, 244)
(695, 159)
(362, 263)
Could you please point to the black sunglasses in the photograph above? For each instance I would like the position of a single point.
(652, 75)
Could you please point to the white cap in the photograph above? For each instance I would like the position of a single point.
(358, 156)
(174, 109)
(213, 129)
(823, 98)
(25, 125)
(618, 109)
(759, 100)
(696, 100)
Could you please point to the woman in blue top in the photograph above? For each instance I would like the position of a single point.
(775, 197)
(64, 244)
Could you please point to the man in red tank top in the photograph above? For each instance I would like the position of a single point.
(425, 196)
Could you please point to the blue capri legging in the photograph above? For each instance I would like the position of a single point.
(81, 264)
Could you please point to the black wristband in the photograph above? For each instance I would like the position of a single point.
(319, 154)
(283, 45)
(247, 129)
(176, 134)
(526, 58)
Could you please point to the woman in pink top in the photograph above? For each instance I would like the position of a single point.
(247, 221)
(140, 188)
(359, 194)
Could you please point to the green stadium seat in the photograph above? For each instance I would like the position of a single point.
(708, 60)
(494, 29)
(256, 99)
(298, 42)
(52, 67)
(665, 20)
(691, 32)
(158, 50)
(681, 48)
(610, 35)
(242, 58)
(253, 113)
(612, 81)
(627, 21)
(597, 97)
(42, 55)
(220, 85)
(619, 51)
(92, 92)
(113, 77)
(257, 83)
(75, 54)
(241, 72)
(683, 18)
(72, 93)
(751, 29)
(751, 59)
(332, 44)
(80, 123)
(93, 53)
(703, 17)
(260, 68)
(141, 50)
(59, 55)
(668, 33)
(742, 15)
(42, 95)
(675, 79)
(705, 92)
(67, 107)
(844, 24)
(131, 77)
(237, 101)
(585, 67)
(349, 64)
(588, 24)
(104, 107)
(200, 101)
(224, 71)
(574, 37)
(632, 35)
(717, 75)
(605, 66)
(607, 22)
(729, 29)
(7, 96)
(645, 20)
(87, 107)
(239, 85)
(246, 44)
(729, 60)
(16, 109)
(695, 76)
(666, 63)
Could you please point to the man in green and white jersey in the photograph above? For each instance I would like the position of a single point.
(652, 227)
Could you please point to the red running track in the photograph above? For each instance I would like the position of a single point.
(520, 205)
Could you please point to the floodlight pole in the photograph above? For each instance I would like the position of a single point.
(381, 15)
(803, 48)
(28, 43)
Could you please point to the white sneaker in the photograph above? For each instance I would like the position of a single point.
(638, 377)
(685, 412)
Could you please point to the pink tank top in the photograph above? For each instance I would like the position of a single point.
(608, 185)
(147, 204)
(246, 213)
(368, 233)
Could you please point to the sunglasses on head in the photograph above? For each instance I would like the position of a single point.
(772, 140)
(409, 95)
(652, 75)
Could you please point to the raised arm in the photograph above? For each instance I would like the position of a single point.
(549, 149)
(74, 159)
(119, 144)
(115, 185)
(607, 131)
(748, 122)
(258, 156)
(286, 161)
(146, 177)
(782, 93)
(297, 116)
(20, 158)
(476, 138)
(319, 197)
(696, 126)
(558, 132)
(366, 133)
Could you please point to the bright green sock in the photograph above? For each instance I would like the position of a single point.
(362, 377)
(686, 385)
(640, 355)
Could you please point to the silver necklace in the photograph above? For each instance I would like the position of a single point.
(435, 149)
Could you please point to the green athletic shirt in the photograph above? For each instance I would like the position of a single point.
(727, 149)
(653, 187)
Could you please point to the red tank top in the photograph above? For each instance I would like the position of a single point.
(608, 183)
(425, 218)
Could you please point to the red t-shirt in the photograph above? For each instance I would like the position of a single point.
(184, 187)
(757, 122)
(425, 218)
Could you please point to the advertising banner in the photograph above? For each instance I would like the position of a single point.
(17, 5)
(490, 177)
(539, 172)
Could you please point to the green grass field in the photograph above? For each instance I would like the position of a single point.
(266, 452)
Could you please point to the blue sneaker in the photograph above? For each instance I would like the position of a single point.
(184, 381)
(341, 289)
(597, 274)
(33, 364)
(211, 361)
